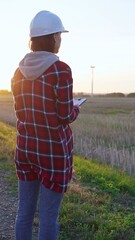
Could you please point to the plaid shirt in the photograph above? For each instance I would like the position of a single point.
(44, 109)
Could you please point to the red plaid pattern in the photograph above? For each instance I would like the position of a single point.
(44, 109)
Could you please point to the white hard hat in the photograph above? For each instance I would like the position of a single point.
(45, 23)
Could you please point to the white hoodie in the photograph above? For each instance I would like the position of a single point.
(34, 64)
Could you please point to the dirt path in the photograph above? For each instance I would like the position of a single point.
(8, 207)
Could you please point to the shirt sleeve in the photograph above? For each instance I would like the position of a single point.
(66, 112)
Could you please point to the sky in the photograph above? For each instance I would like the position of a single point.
(101, 34)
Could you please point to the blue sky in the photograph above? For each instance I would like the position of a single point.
(101, 33)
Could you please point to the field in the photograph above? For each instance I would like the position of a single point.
(105, 130)
(6, 109)
(99, 204)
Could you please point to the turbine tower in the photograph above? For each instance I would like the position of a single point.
(92, 79)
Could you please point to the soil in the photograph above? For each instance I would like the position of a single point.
(8, 207)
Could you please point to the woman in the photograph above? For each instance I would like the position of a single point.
(43, 99)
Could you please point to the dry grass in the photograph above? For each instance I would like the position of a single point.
(105, 130)
(6, 109)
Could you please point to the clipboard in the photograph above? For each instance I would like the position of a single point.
(79, 101)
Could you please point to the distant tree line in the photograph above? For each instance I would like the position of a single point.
(82, 94)
(115, 94)
(131, 95)
(5, 92)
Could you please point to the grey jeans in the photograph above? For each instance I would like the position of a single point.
(49, 206)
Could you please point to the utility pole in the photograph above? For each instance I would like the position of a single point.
(92, 79)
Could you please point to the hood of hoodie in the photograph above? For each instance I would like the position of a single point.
(34, 64)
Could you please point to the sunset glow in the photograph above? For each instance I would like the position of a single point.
(101, 33)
